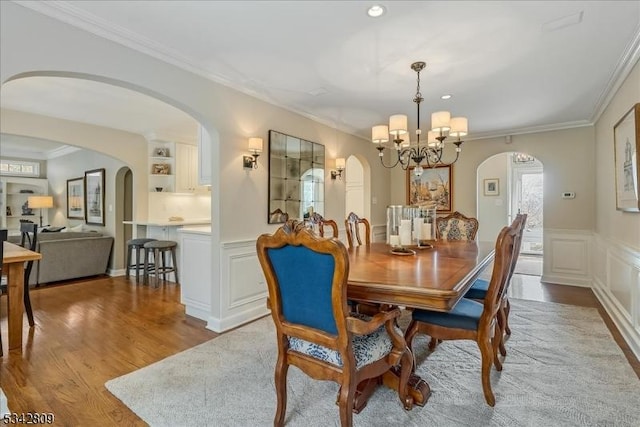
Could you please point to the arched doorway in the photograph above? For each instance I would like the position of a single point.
(355, 188)
(518, 179)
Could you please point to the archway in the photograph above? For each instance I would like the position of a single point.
(518, 179)
(355, 188)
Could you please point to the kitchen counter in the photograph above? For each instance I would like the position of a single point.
(167, 223)
(204, 230)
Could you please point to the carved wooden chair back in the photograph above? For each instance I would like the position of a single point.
(471, 319)
(321, 223)
(456, 226)
(352, 224)
(314, 329)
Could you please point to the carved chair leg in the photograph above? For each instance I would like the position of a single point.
(406, 368)
(281, 390)
(433, 343)
(347, 393)
(502, 323)
(496, 341)
(487, 360)
(507, 309)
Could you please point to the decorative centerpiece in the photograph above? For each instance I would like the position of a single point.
(409, 228)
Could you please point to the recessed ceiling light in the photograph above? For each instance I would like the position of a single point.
(376, 11)
(445, 97)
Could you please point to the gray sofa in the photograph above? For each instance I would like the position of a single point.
(69, 256)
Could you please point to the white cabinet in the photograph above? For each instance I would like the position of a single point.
(186, 168)
(195, 273)
(14, 193)
(204, 156)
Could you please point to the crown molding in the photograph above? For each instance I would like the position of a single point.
(69, 14)
(532, 129)
(61, 151)
(627, 61)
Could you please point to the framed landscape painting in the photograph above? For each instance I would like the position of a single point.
(94, 196)
(433, 188)
(75, 198)
(626, 140)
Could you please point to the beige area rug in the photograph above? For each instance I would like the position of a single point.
(563, 369)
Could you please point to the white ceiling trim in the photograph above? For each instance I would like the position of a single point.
(66, 12)
(61, 151)
(69, 14)
(629, 58)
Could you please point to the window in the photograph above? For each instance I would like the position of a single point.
(20, 168)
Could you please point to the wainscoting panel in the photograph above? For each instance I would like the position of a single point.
(243, 290)
(616, 283)
(566, 257)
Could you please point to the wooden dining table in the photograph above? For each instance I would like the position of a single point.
(434, 278)
(13, 259)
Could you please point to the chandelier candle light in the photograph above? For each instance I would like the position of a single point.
(432, 150)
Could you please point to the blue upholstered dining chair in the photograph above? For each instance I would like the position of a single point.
(307, 280)
(456, 226)
(478, 290)
(470, 319)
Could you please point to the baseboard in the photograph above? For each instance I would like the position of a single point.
(628, 332)
(565, 280)
(116, 272)
(246, 316)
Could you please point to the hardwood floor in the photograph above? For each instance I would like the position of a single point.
(88, 332)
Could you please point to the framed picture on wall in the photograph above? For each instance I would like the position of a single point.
(433, 188)
(492, 187)
(75, 198)
(94, 196)
(626, 140)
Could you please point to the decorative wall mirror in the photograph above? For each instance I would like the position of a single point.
(296, 178)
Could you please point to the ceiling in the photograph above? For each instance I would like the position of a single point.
(511, 67)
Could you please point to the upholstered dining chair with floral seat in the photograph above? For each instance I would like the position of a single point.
(472, 320)
(317, 220)
(478, 290)
(456, 226)
(314, 328)
(352, 224)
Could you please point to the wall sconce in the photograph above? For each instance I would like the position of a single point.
(255, 148)
(339, 168)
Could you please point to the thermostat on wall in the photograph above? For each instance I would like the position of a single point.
(568, 195)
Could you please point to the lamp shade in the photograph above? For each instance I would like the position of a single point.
(255, 145)
(459, 126)
(380, 134)
(340, 163)
(440, 121)
(398, 124)
(431, 138)
(39, 202)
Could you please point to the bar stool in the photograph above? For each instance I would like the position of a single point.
(138, 246)
(159, 249)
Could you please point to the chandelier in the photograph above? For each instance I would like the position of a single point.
(431, 152)
(523, 158)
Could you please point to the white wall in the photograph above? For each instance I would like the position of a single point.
(492, 210)
(615, 258)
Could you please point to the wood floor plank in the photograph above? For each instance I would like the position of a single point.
(90, 331)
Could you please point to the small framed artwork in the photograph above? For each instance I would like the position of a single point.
(492, 187)
(433, 188)
(75, 198)
(161, 169)
(626, 139)
(94, 196)
(162, 152)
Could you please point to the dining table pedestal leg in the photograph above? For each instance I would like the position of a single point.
(419, 390)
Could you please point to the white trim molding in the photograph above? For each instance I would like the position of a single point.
(616, 283)
(566, 257)
(242, 296)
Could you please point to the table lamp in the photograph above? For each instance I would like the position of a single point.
(40, 202)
